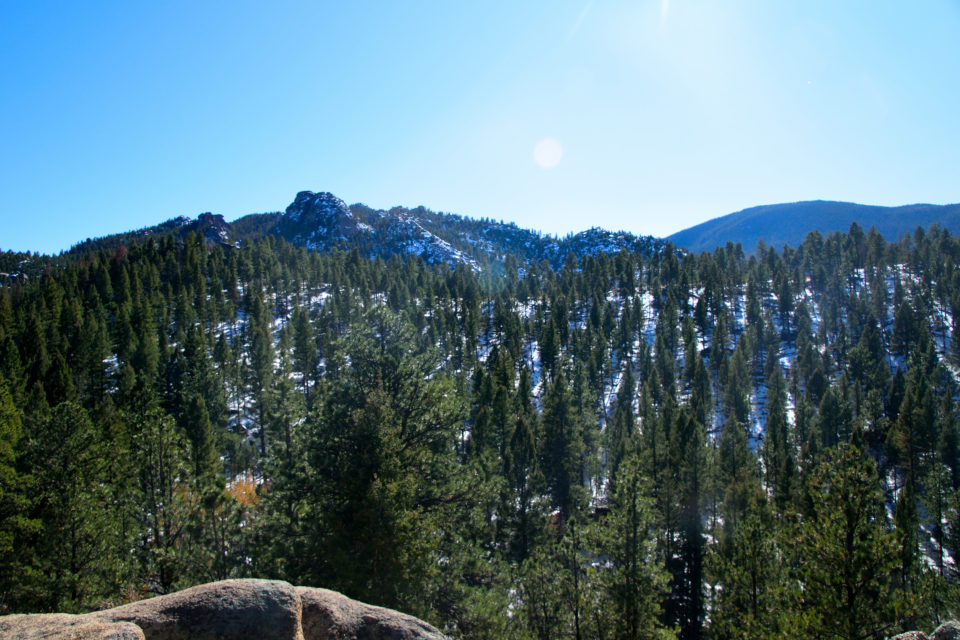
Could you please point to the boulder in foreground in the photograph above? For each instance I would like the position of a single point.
(328, 615)
(949, 630)
(55, 626)
(228, 610)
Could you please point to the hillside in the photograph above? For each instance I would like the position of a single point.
(788, 224)
(323, 222)
(704, 443)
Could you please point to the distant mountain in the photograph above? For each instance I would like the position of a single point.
(323, 222)
(788, 224)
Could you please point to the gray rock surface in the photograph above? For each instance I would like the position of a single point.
(911, 635)
(328, 615)
(61, 626)
(949, 630)
(228, 610)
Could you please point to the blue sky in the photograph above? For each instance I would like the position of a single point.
(660, 114)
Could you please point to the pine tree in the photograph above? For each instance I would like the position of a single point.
(261, 356)
(549, 348)
(689, 460)
(562, 450)
(746, 568)
(736, 400)
(544, 589)
(634, 581)
(911, 438)
(621, 431)
(199, 430)
(845, 558)
(835, 419)
(69, 564)
(777, 446)
(306, 356)
(523, 475)
(15, 521)
(381, 454)
(165, 504)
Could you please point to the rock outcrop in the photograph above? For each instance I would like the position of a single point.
(328, 615)
(57, 626)
(318, 221)
(949, 630)
(228, 610)
(214, 228)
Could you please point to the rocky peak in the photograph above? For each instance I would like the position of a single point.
(214, 228)
(317, 206)
(317, 220)
(210, 219)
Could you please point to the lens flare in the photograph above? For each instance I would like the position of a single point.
(548, 153)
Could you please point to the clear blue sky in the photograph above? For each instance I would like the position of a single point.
(117, 115)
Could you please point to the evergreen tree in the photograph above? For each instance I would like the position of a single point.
(381, 455)
(634, 581)
(621, 431)
(688, 459)
(777, 446)
(261, 362)
(562, 450)
(165, 504)
(747, 567)
(523, 475)
(306, 356)
(69, 564)
(15, 521)
(544, 592)
(199, 431)
(845, 556)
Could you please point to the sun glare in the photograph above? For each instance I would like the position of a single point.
(548, 153)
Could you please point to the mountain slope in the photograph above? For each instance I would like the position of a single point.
(336, 417)
(789, 223)
(320, 221)
(213, 227)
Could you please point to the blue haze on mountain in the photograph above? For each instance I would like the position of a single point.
(787, 224)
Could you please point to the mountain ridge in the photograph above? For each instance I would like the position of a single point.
(788, 223)
(429, 425)
(320, 221)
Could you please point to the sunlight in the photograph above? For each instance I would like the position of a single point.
(548, 153)
(579, 21)
(664, 11)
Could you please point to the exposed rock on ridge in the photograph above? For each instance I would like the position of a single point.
(318, 221)
(215, 229)
(228, 610)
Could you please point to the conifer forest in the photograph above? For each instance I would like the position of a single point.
(643, 444)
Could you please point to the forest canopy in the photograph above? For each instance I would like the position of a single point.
(630, 445)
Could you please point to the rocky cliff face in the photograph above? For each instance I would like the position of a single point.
(319, 221)
(214, 228)
(228, 610)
